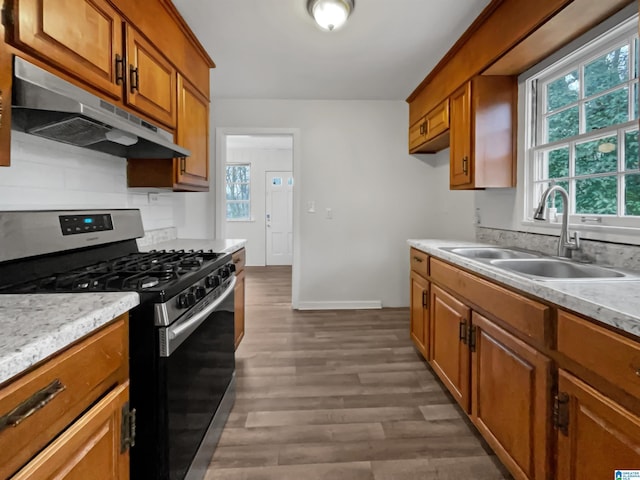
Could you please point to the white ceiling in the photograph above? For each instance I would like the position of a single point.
(273, 49)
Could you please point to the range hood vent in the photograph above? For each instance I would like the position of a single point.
(48, 106)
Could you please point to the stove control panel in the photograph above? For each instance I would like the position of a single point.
(76, 224)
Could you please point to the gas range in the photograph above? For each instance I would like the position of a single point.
(181, 335)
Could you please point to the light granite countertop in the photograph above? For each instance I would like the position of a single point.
(36, 326)
(217, 245)
(614, 302)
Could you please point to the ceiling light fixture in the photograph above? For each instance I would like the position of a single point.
(330, 14)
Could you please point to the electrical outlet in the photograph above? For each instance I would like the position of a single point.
(329, 214)
(153, 198)
(311, 206)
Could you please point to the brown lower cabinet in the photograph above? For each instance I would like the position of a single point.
(511, 398)
(420, 313)
(555, 395)
(67, 413)
(597, 436)
(449, 350)
(239, 259)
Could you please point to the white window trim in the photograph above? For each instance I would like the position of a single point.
(623, 229)
(243, 219)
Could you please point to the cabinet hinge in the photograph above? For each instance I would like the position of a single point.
(561, 413)
(472, 338)
(8, 18)
(127, 428)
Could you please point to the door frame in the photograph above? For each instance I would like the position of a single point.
(220, 163)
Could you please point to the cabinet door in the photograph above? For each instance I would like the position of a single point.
(417, 133)
(5, 101)
(193, 133)
(90, 448)
(83, 38)
(460, 146)
(449, 351)
(511, 398)
(597, 436)
(238, 314)
(151, 86)
(438, 120)
(419, 329)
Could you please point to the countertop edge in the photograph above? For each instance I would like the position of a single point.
(569, 295)
(94, 311)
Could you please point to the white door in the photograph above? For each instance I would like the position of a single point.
(279, 218)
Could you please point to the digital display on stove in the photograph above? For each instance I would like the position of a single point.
(77, 224)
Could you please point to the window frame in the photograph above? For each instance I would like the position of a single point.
(248, 218)
(535, 120)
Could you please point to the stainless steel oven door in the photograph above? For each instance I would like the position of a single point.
(196, 371)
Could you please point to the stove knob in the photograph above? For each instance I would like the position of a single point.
(213, 281)
(224, 272)
(191, 299)
(232, 267)
(200, 292)
(182, 301)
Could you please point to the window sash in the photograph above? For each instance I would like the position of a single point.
(537, 100)
(237, 201)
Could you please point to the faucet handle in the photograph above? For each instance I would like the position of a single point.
(574, 241)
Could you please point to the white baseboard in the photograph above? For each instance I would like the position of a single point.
(355, 305)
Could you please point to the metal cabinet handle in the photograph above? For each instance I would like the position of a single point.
(31, 405)
(417, 259)
(465, 165)
(183, 165)
(463, 332)
(134, 78)
(425, 299)
(119, 69)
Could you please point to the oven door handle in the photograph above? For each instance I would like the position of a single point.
(171, 337)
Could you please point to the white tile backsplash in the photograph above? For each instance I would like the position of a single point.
(49, 175)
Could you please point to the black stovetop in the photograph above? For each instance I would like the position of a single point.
(163, 272)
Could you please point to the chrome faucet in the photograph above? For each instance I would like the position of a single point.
(567, 243)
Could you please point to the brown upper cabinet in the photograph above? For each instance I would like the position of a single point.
(151, 86)
(5, 101)
(507, 38)
(431, 133)
(139, 55)
(83, 38)
(482, 137)
(180, 174)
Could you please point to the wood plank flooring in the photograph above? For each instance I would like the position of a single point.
(339, 395)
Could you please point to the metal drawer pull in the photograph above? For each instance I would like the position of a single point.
(417, 259)
(119, 69)
(31, 405)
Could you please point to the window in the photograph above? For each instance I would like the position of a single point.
(238, 192)
(584, 135)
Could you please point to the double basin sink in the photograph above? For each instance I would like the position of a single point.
(538, 266)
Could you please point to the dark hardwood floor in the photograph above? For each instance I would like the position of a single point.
(339, 395)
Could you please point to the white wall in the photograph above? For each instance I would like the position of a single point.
(354, 160)
(261, 161)
(51, 175)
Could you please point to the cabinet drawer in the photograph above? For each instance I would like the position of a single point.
(612, 356)
(438, 120)
(239, 259)
(526, 316)
(35, 408)
(419, 262)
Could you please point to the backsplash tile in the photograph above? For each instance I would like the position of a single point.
(604, 253)
(48, 175)
(151, 237)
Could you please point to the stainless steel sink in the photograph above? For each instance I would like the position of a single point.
(490, 252)
(557, 269)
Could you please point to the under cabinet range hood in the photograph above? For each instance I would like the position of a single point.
(50, 107)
